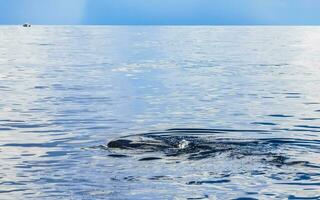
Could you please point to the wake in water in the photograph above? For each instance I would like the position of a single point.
(198, 144)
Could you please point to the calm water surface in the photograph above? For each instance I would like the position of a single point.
(214, 112)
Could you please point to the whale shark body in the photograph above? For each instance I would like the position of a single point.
(198, 144)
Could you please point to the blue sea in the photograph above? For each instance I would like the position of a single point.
(159, 112)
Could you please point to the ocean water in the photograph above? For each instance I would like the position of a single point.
(143, 112)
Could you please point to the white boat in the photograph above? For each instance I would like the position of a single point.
(26, 25)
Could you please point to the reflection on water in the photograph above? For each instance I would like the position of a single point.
(188, 112)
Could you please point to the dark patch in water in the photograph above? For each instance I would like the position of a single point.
(27, 145)
(292, 197)
(292, 93)
(5, 129)
(307, 126)
(309, 119)
(265, 123)
(195, 198)
(197, 144)
(302, 176)
(157, 178)
(293, 97)
(8, 120)
(149, 159)
(311, 103)
(130, 178)
(10, 191)
(118, 155)
(208, 182)
(280, 160)
(41, 87)
(280, 115)
(128, 144)
(299, 130)
(252, 193)
(302, 184)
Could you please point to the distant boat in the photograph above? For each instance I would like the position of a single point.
(26, 25)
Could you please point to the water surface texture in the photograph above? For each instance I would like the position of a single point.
(159, 112)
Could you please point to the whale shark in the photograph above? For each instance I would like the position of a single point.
(198, 144)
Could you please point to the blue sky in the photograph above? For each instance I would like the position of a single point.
(182, 12)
